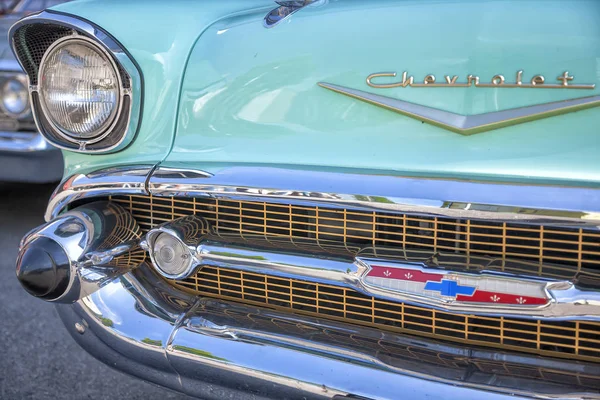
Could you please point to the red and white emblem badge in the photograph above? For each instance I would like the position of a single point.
(454, 287)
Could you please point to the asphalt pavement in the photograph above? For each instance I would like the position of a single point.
(38, 358)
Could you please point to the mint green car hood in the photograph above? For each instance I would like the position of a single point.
(250, 95)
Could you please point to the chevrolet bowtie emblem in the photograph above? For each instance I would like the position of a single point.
(468, 124)
(451, 287)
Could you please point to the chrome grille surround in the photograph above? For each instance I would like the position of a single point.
(303, 275)
(168, 193)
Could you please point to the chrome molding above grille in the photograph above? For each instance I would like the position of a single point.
(546, 205)
(451, 198)
(130, 179)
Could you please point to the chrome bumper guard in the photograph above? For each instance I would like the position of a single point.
(211, 349)
(24, 142)
(27, 157)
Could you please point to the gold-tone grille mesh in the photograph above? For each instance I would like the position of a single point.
(540, 250)
(125, 230)
(576, 340)
(134, 257)
(544, 251)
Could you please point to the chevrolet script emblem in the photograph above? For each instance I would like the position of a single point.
(471, 124)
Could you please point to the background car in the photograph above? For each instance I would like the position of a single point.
(25, 156)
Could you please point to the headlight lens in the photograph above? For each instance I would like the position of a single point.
(79, 88)
(15, 97)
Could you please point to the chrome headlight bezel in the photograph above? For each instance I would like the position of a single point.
(34, 37)
(107, 127)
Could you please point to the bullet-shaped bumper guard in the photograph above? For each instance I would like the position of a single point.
(211, 349)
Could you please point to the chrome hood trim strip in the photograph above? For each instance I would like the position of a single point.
(211, 349)
(468, 124)
(547, 205)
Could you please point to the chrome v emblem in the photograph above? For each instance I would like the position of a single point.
(469, 124)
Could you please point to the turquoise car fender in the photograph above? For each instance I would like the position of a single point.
(159, 36)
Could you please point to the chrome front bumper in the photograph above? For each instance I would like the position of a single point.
(27, 157)
(214, 350)
(138, 323)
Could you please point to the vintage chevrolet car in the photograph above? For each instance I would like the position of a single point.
(24, 154)
(324, 199)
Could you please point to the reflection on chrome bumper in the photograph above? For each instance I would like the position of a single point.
(27, 157)
(24, 142)
(212, 349)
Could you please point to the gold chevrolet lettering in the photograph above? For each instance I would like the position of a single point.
(497, 81)
(472, 80)
(565, 78)
(408, 81)
(429, 79)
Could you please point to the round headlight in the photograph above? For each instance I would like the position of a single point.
(15, 97)
(79, 89)
(171, 256)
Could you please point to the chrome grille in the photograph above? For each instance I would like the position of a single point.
(548, 251)
(551, 252)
